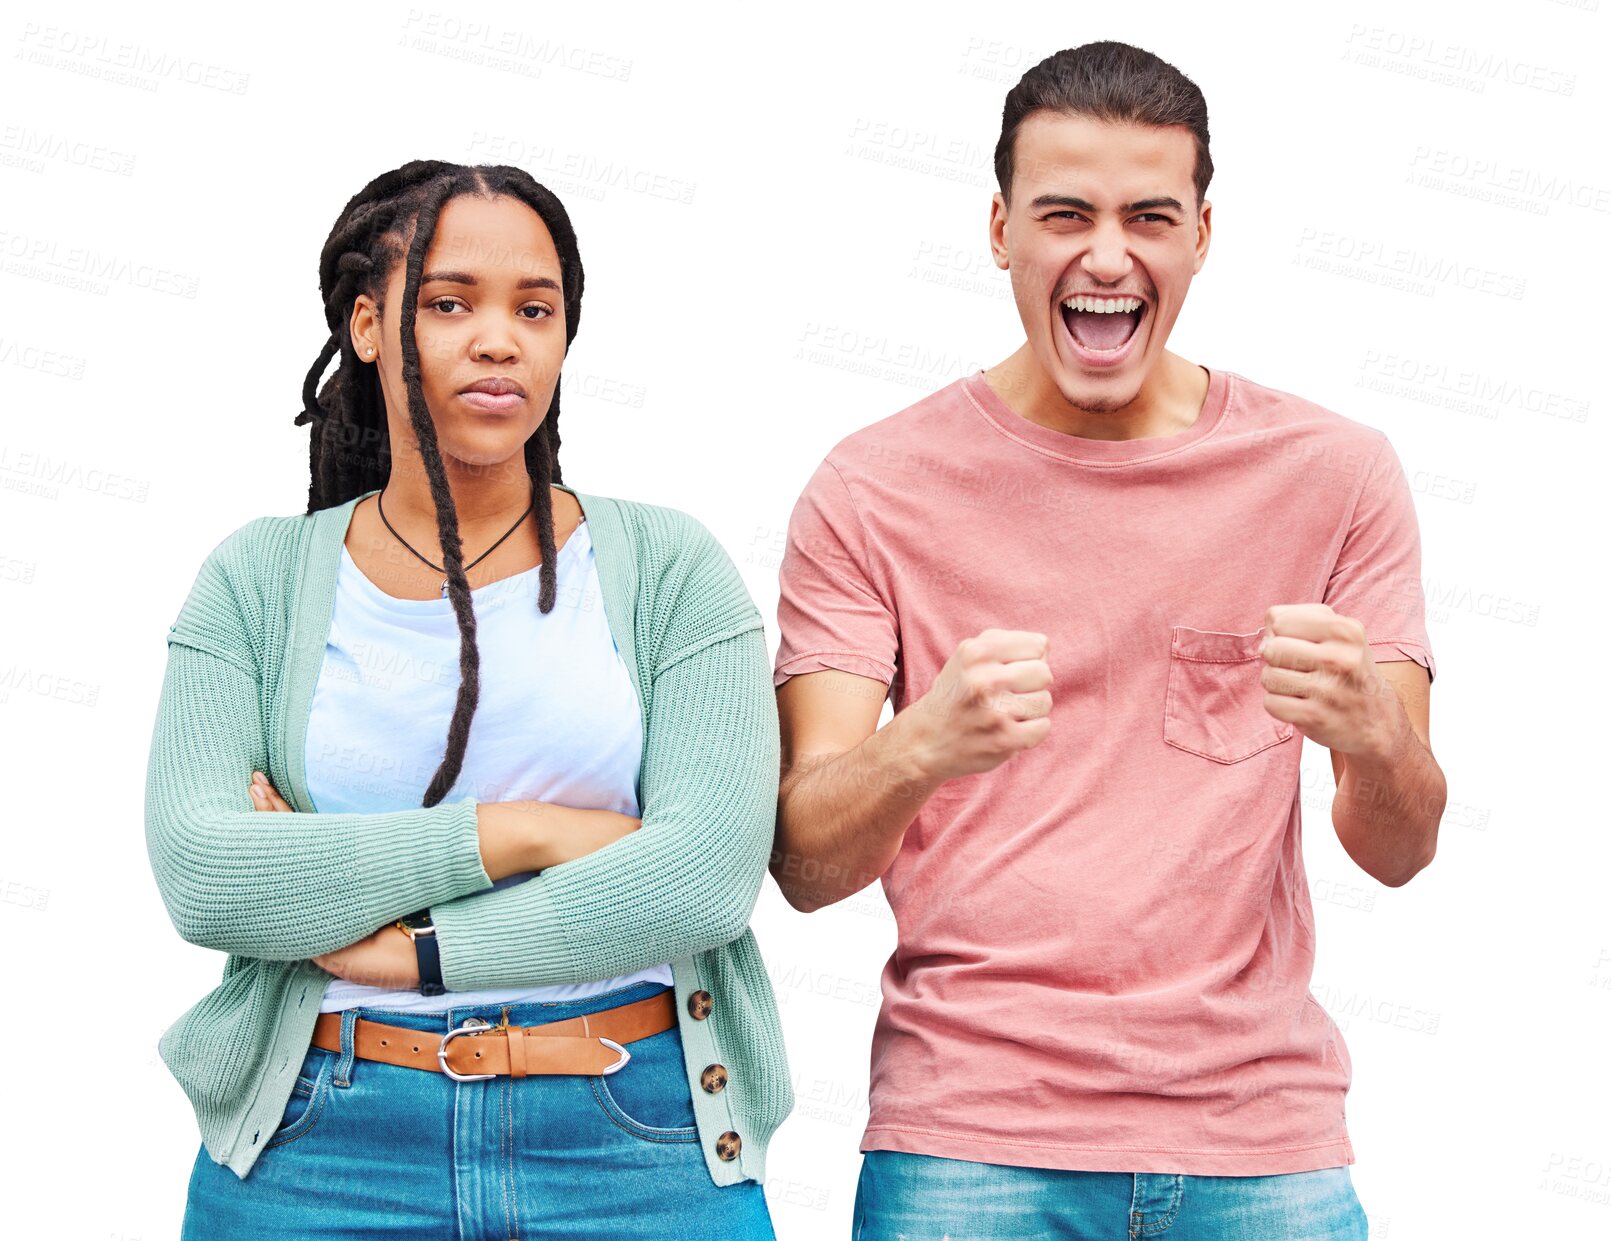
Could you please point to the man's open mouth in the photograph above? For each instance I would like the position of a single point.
(1103, 323)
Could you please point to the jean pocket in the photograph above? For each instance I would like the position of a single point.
(1214, 706)
(649, 1096)
(309, 1094)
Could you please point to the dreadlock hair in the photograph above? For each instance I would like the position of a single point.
(349, 451)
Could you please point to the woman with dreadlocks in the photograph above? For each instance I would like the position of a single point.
(504, 986)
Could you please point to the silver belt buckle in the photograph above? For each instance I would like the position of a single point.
(476, 1025)
(472, 1025)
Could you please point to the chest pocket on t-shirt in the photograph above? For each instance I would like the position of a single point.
(1215, 703)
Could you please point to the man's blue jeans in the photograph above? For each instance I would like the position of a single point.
(367, 1150)
(905, 1197)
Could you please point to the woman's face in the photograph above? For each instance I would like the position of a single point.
(490, 309)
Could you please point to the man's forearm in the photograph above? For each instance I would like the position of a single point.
(1388, 806)
(842, 817)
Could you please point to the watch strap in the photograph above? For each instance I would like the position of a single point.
(426, 952)
(429, 956)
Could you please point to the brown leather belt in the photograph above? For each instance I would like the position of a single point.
(593, 1043)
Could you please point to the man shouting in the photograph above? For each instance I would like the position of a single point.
(1108, 591)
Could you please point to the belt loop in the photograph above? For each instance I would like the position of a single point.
(349, 1047)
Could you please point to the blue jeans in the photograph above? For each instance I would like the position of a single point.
(927, 1198)
(368, 1150)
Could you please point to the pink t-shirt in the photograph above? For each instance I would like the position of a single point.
(1105, 944)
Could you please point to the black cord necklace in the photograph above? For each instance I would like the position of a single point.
(438, 568)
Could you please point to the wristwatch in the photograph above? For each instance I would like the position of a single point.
(419, 928)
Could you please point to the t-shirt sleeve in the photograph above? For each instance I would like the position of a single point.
(1377, 578)
(831, 613)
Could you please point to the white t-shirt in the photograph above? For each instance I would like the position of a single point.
(557, 721)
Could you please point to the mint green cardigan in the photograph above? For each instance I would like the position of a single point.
(273, 890)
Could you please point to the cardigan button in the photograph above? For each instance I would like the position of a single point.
(727, 1146)
(700, 1004)
(714, 1078)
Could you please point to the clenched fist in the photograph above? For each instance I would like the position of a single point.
(1320, 677)
(990, 701)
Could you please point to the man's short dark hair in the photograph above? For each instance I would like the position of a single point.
(1107, 81)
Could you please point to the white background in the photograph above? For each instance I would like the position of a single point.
(782, 217)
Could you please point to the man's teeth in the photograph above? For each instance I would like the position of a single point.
(1103, 305)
